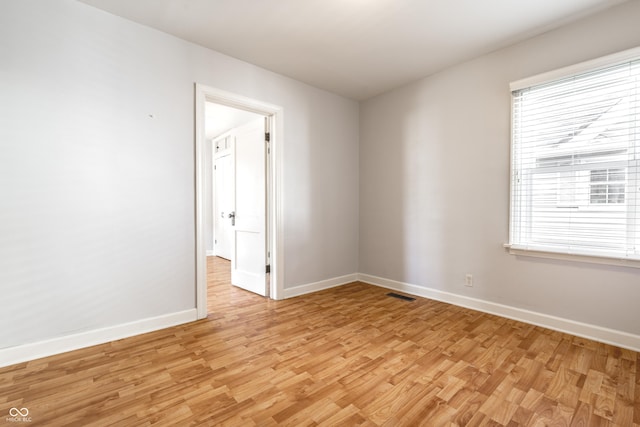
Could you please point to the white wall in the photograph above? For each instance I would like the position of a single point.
(97, 210)
(434, 184)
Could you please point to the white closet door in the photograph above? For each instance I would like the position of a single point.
(224, 204)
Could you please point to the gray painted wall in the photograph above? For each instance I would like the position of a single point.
(97, 211)
(434, 183)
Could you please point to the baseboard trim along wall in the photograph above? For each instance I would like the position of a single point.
(27, 352)
(37, 350)
(584, 330)
(319, 286)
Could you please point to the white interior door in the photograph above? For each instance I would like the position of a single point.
(249, 260)
(224, 204)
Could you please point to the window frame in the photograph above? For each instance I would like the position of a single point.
(632, 170)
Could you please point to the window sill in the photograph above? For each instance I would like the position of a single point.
(577, 257)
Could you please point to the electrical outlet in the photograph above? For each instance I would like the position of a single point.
(468, 280)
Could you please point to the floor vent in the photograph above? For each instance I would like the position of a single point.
(404, 297)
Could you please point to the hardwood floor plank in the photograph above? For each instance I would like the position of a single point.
(349, 356)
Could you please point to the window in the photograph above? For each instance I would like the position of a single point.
(576, 160)
(607, 186)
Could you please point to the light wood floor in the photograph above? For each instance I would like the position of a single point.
(342, 357)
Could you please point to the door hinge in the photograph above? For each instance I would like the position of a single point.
(267, 136)
(268, 269)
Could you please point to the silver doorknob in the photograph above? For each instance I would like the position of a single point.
(232, 215)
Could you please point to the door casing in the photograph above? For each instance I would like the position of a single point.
(205, 94)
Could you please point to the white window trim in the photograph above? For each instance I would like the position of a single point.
(528, 251)
(594, 64)
(577, 255)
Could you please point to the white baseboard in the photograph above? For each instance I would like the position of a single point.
(585, 330)
(27, 352)
(319, 286)
(210, 252)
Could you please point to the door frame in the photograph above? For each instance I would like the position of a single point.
(274, 225)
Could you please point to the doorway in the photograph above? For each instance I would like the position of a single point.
(272, 197)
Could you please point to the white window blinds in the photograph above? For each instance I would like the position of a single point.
(576, 164)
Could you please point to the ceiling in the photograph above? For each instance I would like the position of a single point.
(220, 118)
(355, 48)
